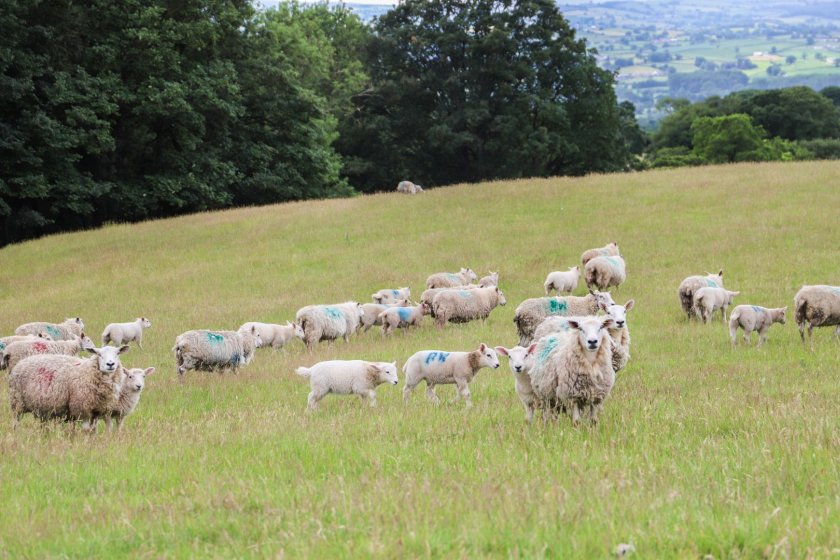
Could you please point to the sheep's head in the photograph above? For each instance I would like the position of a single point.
(258, 341)
(487, 357)
(591, 331)
(425, 308)
(501, 296)
(403, 303)
(298, 330)
(716, 278)
(618, 313)
(469, 274)
(109, 357)
(520, 358)
(76, 320)
(387, 372)
(602, 298)
(145, 323)
(87, 343)
(780, 315)
(135, 379)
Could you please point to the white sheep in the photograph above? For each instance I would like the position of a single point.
(391, 296)
(534, 311)
(347, 377)
(608, 250)
(817, 306)
(461, 306)
(694, 283)
(129, 398)
(402, 317)
(562, 281)
(211, 350)
(521, 360)
(123, 333)
(329, 322)
(58, 331)
(372, 311)
(276, 336)
(25, 337)
(491, 279)
(450, 280)
(754, 318)
(619, 333)
(603, 272)
(437, 367)
(708, 300)
(17, 351)
(407, 187)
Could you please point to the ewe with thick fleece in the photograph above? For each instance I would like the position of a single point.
(490, 280)
(17, 351)
(817, 306)
(407, 187)
(211, 350)
(135, 380)
(534, 311)
(123, 333)
(276, 336)
(562, 281)
(437, 367)
(608, 250)
(25, 338)
(371, 312)
(62, 331)
(347, 377)
(694, 283)
(389, 297)
(603, 272)
(754, 318)
(402, 317)
(329, 322)
(461, 306)
(68, 387)
(708, 300)
(449, 280)
(521, 361)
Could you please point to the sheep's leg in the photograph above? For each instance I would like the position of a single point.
(409, 387)
(762, 336)
(802, 331)
(723, 312)
(430, 393)
(575, 414)
(314, 397)
(464, 391)
(811, 334)
(371, 395)
(747, 336)
(529, 412)
(837, 332)
(733, 334)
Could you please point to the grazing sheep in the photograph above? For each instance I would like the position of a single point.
(608, 250)
(211, 350)
(25, 338)
(62, 331)
(603, 272)
(449, 280)
(17, 351)
(123, 333)
(708, 300)
(817, 306)
(276, 336)
(402, 317)
(436, 367)
(490, 280)
(407, 187)
(371, 312)
(532, 312)
(694, 283)
(562, 281)
(754, 318)
(428, 296)
(67, 387)
(135, 380)
(461, 306)
(389, 297)
(521, 361)
(347, 377)
(619, 333)
(329, 322)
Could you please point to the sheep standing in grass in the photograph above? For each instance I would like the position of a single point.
(521, 361)
(428, 296)
(17, 351)
(490, 280)
(694, 283)
(603, 272)
(212, 350)
(123, 333)
(347, 377)
(436, 367)
(407, 187)
(449, 280)
(534, 311)
(371, 312)
(402, 317)
(461, 306)
(329, 322)
(135, 380)
(390, 296)
(25, 338)
(61, 331)
(608, 250)
(619, 333)
(276, 336)
(817, 306)
(754, 318)
(708, 300)
(562, 281)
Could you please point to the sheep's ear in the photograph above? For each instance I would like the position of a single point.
(502, 350)
(602, 306)
(149, 371)
(532, 348)
(483, 347)
(573, 324)
(591, 292)
(607, 323)
(721, 272)
(123, 349)
(629, 305)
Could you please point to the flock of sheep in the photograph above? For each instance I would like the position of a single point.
(566, 360)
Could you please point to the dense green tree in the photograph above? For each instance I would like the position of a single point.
(832, 93)
(727, 139)
(795, 113)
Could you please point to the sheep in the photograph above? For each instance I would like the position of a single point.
(129, 398)
(402, 317)
(573, 371)
(694, 283)
(25, 338)
(521, 360)
(67, 387)
(619, 333)
(276, 336)
(461, 306)
(407, 187)
(491, 279)
(329, 322)
(754, 318)
(707, 300)
(123, 333)
(428, 296)
(17, 351)
(209, 350)
(562, 281)
(608, 250)
(63, 331)
(371, 312)
(817, 306)
(603, 272)
(347, 377)
(390, 296)
(449, 280)
(532, 312)
(437, 367)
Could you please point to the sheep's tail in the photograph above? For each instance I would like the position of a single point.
(801, 313)
(304, 372)
(734, 317)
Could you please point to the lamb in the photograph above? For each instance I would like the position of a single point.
(25, 338)
(211, 350)
(276, 336)
(694, 283)
(407, 187)
(67, 387)
(402, 317)
(129, 398)
(449, 280)
(461, 306)
(347, 377)
(608, 250)
(562, 281)
(389, 296)
(707, 300)
(603, 272)
(329, 322)
(371, 312)
(532, 312)
(123, 333)
(17, 351)
(817, 306)
(490, 280)
(436, 367)
(754, 318)
(619, 333)
(521, 361)
(63, 331)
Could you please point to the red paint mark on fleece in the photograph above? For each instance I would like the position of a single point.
(45, 377)
(39, 347)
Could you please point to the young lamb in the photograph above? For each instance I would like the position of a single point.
(371, 312)
(402, 317)
(817, 306)
(694, 283)
(708, 300)
(211, 350)
(276, 336)
(521, 361)
(25, 338)
(619, 333)
(532, 312)
(449, 280)
(562, 281)
(129, 398)
(62, 331)
(17, 351)
(608, 250)
(461, 306)
(407, 187)
(491, 280)
(390, 297)
(68, 387)
(329, 322)
(754, 318)
(603, 272)
(436, 367)
(350, 377)
(123, 333)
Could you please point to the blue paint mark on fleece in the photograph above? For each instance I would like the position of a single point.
(53, 332)
(557, 306)
(235, 359)
(757, 309)
(439, 356)
(333, 313)
(454, 278)
(395, 292)
(215, 338)
(711, 283)
(404, 313)
(2, 345)
(550, 344)
(465, 294)
(614, 263)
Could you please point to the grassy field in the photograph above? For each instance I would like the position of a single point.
(701, 449)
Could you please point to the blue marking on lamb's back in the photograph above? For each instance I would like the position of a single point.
(557, 306)
(215, 338)
(333, 313)
(711, 283)
(757, 309)
(53, 332)
(439, 356)
(395, 292)
(404, 313)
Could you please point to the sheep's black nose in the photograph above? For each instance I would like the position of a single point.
(110, 364)
(620, 323)
(592, 343)
(518, 368)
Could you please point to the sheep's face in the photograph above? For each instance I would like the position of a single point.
(591, 332)
(87, 343)
(145, 322)
(258, 341)
(135, 379)
(425, 308)
(298, 330)
(388, 372)
(469, 273)
(76, 320)
(520, 359)
(618, 313)
(602, 298)
(109, 357)
(360, 310)
(780, 318)
(488, 357)
(502, 300)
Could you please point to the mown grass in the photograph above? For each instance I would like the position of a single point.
(700, 450)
